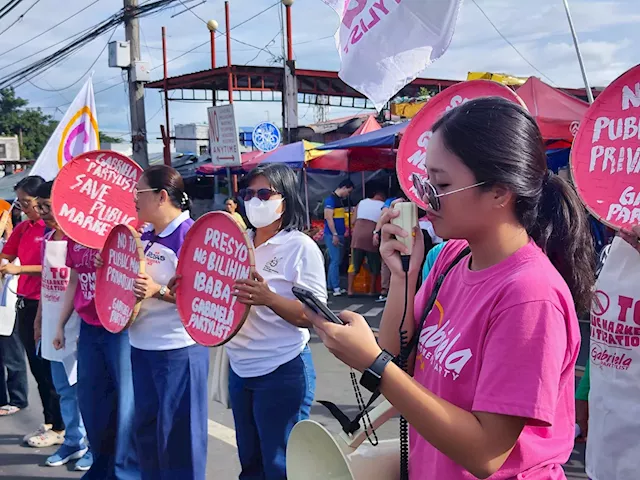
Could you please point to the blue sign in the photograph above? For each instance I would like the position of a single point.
(266, 137)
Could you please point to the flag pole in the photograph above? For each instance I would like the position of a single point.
(575, 43)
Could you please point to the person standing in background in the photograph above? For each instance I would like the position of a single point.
(55, 278)
(368, 214)
(231, 207)
(334, 230)
(25, 244)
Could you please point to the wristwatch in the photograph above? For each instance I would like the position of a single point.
(372, 376)
(162, 291)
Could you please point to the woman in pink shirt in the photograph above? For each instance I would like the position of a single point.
(490, 386)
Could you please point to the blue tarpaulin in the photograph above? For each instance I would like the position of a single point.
(385, 137)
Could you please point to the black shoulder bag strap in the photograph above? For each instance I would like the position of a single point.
(350, 426)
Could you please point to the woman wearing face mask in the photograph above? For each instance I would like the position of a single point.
(489, 391)
(169, 370)
(272, 379)
(25, 244)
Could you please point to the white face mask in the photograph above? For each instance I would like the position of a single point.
(262, 213)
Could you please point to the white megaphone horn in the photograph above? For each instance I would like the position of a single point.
(315, 454)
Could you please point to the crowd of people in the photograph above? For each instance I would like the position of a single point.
(487, 386)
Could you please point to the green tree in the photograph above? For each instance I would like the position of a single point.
(104, 138)
(35, 125)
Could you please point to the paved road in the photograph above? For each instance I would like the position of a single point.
(24, 463)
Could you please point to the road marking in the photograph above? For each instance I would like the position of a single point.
(374, 312)
(222, 432)
(354, 308)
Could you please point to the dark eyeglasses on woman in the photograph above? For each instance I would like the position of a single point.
(263, 194)
(427, 192)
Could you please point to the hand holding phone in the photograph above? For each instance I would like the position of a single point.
(310, 300)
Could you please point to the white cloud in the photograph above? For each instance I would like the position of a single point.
(538, 29)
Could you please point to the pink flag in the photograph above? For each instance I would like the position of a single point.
(385, 44)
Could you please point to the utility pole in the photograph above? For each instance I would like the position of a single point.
(136, 89)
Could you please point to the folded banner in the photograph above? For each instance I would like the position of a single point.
(385, 44)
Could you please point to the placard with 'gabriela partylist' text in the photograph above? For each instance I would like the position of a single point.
(123, 258)
(216, 252)
(412, 153)
(605, 157)
(94, 192)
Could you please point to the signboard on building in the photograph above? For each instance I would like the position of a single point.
(223, 136)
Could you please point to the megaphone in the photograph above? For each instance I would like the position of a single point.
(315, 454)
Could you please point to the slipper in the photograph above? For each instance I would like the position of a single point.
(7, 410)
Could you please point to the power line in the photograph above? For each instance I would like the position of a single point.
(81, 76)
(9, 7)
(48, 30)
(511, 44)
(96, 31)
(265, 49)
(20, 17)
(183, 54)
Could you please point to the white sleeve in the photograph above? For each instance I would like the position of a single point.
(309, 271)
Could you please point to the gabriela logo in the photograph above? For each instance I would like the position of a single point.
(437, 345)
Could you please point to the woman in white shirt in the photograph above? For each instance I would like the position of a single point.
(169, 370)
(272, 378)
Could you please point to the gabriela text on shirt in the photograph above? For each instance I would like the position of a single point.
(218, 263)
(103, 178)
(54, 283)
(438, 349)
(615, 330)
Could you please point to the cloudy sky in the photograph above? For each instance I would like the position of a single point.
(538, 29)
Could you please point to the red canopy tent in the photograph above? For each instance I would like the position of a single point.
(558, 114)
(359, 159)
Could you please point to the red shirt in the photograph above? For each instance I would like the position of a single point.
(26, 243)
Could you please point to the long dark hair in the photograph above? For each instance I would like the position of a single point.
(502, 145)
(164, 177)
(283, 180)
(29, 185)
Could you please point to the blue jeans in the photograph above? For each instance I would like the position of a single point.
(336, 254)
(75, 435)
(105, 395)
(171, 412)
(265, 410)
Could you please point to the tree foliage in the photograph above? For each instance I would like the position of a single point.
(36, 125)
(104, 138)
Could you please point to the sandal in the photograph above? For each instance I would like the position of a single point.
(7, 410)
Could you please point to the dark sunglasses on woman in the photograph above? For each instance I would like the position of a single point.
(263, 194)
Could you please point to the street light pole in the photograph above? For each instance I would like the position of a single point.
(577, 46)
(212, 25)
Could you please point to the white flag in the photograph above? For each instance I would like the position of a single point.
(385, 44)
(76, 133)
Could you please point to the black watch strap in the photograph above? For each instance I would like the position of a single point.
(372, 376)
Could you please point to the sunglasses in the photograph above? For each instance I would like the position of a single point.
(426, 191)
(263, 194)
(24, 204)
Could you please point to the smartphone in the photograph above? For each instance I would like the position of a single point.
(310, 300)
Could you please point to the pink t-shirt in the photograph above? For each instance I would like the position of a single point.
(501, 340)
(80, 258)
(25, 243)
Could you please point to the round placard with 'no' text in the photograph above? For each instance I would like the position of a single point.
(412, 153)
(605, 157)
(216, 252)
(94, 192)
(123, 258)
